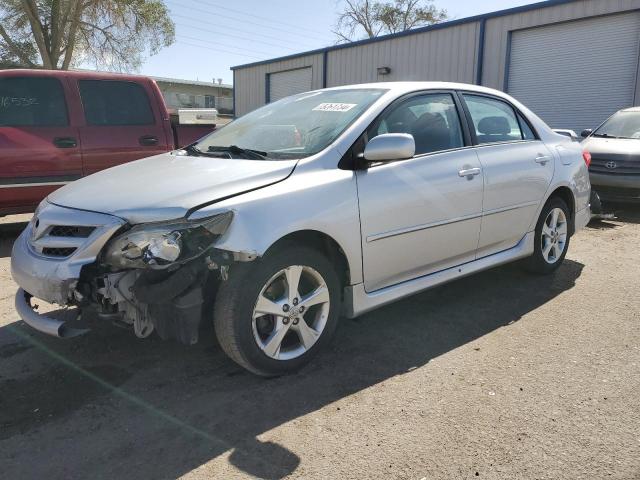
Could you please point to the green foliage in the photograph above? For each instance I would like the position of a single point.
(57, 34)
(368, 19)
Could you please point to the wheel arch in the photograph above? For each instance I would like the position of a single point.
(322, 242)
(566, 194)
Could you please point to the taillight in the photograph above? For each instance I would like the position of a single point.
(587, 157)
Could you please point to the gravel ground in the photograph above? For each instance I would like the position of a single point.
(502, 376)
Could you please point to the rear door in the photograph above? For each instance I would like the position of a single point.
(517, 167)
(122, 123)
(40, 149)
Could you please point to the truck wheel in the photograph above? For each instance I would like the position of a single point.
(274, 314)
(552, 237)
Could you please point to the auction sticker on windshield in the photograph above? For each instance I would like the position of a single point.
(335, 107)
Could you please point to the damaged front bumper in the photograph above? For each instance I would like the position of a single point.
(47, 265)
(57, 258)
(40, 322)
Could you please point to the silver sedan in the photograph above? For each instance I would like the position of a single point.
(327, 203)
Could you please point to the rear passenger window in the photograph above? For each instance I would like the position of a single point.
(432, 119)
(32, 102)
(494, 120)
(110, 102)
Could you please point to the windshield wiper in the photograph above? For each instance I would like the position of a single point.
(236, 150)
(604, 135)
(192, 149)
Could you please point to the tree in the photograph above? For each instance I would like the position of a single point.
(368, 19)
(57, 34)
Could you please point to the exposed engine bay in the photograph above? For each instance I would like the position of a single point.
(151, 278)
(169, 301)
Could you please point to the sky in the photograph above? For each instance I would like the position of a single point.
(214, 35)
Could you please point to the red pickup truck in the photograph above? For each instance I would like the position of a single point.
(58, 126)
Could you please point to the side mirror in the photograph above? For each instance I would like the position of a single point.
(586, 133)
(389, 147)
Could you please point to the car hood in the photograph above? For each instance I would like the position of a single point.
(167, 186)
(612, 147)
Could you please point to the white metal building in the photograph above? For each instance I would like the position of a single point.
(574, 62)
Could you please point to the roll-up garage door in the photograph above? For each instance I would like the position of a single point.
(283, 84)
(575, 74)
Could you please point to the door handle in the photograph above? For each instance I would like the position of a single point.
(65, 142)
(542, 159)
(469, 173)
(148, 140)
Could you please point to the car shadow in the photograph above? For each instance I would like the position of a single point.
(120, 407)
(8, 233)
(628, 213)
(620, 213)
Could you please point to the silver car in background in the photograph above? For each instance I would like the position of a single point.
(615, 156)
(327, 203)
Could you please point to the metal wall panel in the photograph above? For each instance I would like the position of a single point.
(576, 74)
(250, 83)
(498, 28)
(444, 53)
(448, 54)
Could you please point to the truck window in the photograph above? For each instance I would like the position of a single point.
(111, 102)
(32, 102)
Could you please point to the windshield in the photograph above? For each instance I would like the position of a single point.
(294, 127)
(621, 125)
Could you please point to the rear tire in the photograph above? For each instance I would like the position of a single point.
(551, 240)
(255, 309)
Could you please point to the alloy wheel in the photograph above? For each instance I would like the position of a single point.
(291, 312)
(554, 235)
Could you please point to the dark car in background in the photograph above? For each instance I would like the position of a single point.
(615, 157)
(58, 126)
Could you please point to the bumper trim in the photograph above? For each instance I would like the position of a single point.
(42, 323)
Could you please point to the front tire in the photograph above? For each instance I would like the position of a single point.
(552, 236)
(274, 314)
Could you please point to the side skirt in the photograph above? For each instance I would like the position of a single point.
(357, 301)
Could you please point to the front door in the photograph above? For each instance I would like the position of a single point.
(517, 167)
(421, 215)
(40, 149)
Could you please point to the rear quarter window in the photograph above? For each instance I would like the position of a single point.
(527, 132)
(112, 102)
(32, 102)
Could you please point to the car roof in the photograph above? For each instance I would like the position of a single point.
(631, 109)
(406, 87)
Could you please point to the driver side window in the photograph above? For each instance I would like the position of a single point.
(432, 119)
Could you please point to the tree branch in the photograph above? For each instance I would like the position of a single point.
(55, 31)
(78, 7)
(31, 10)
(14, 48)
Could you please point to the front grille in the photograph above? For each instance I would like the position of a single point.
(71, 231)
(58, 252)
(614, 166)
(60, 233)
